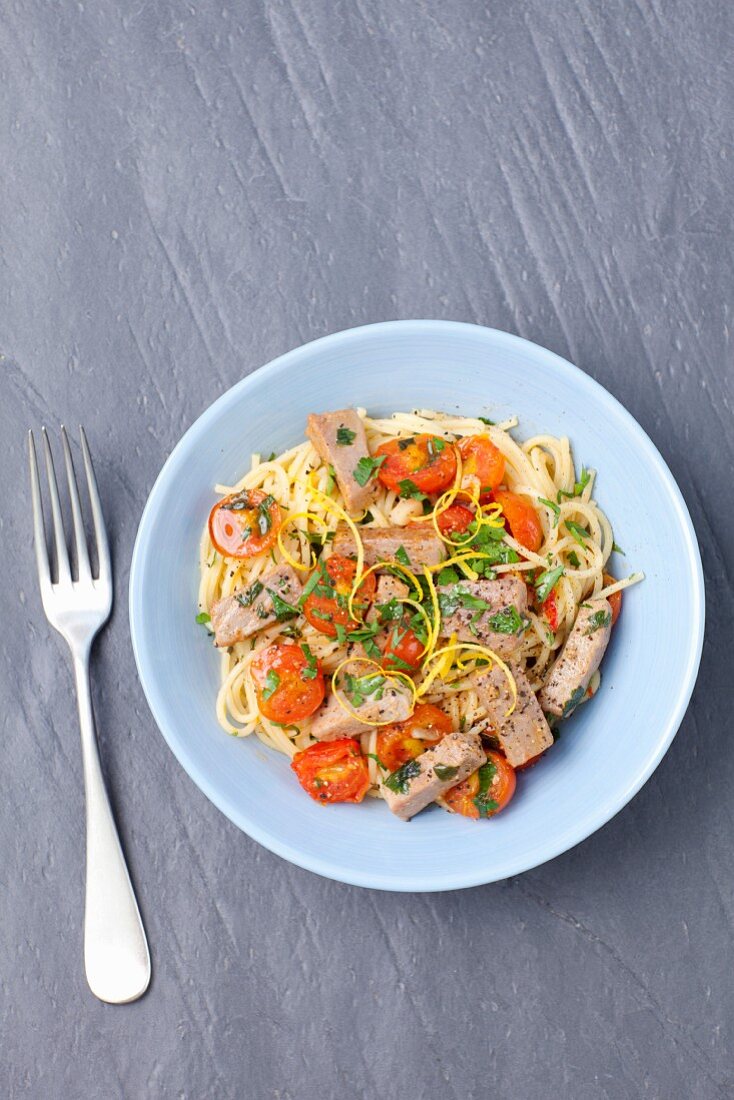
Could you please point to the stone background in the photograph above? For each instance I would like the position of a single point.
(190, 189)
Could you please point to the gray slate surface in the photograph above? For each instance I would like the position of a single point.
(191, 189)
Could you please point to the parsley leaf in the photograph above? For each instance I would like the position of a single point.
(507, 621)
(447, 576)
(272, 683)
(367, 468)
(574, 559)
(345, 437)
(580, 534)
(249, 595)
(399, 781)
(445, 771)
(485, 420)
(401, 555)
(311, 671)
(283, 610)
(409, 490)
(331, 479)
(598, 621)
(554, 509)
(574, 701)
(484, 804)
(618, 550)
(583, 481)
(546, 582)
(264, 518)
(203, 617)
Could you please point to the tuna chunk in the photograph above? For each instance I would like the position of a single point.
(234, 618)
(419, 541)
(339, 439)
(525, 733)
(489, 612)
(568, 679)
(391, 702)
(388, 588)
(421, 781)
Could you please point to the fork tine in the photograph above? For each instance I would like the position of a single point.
(39, 529)
(62, 554)
(103, 549)
(82, 554)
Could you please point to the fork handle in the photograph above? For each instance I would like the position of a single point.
(116, 957)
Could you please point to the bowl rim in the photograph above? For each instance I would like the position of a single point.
(439, 880)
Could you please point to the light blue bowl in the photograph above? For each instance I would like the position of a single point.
(607, 750)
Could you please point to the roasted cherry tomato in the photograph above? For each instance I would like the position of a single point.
(244, 524)
(326, 606)
(454, 520)
(549, 608)
(334, 771)
(396, 744)
(521, 517)
(615, 600)
(289, 683)
(425, 462)
(403, 649)
(482, 460)
(486, 791)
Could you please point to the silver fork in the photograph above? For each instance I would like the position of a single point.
(116, 957)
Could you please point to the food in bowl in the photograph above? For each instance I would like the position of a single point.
(408, 607)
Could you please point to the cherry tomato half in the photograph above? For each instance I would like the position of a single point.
(615, 600)
(482, 460)
(426, 461)
(244, 524)
(486, 791)
(549, 608)
(454, 520)
(289, 683)
(521, 517)
(326, 606)
(396, 744)
(334, 771)
(403, 649)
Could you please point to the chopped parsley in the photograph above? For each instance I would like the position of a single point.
(445, 771)
(283, 610)
(390, 612)
(447, 576)
(356, 688)
(345, 437)
(401, 555)
(574, 701)
(580, 534)
(598, 621)
(264, 518)
(435, 445)
(486, 420)
(311, 671)
(409, 490)
(583, 481)
(248, 597)
(484, 804)
(507, 621)
(574, 559)
(399, 781)
(618, 550)
(331, 479)
(554, 509)
(203, 617)
(272, 683)
(546, 582)
(375, 757)
(367, 468)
